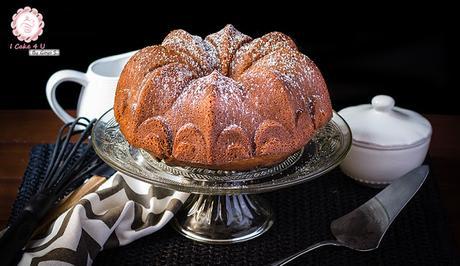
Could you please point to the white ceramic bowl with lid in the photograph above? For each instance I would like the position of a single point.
(388, 141)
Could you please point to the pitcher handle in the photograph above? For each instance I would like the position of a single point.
(54, 81)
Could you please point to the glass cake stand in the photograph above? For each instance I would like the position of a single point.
(224, 206)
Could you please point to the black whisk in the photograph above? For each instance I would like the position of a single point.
(71, 163)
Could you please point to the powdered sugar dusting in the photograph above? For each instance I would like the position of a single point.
(257, 49)
(226, 42)
(194, 46)
(228, 37)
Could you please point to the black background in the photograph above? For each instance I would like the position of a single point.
(372, 50)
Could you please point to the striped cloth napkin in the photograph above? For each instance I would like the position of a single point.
(122, 210)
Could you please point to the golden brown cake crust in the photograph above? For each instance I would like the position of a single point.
(225, 102)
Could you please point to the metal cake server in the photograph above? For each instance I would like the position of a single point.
(363, 228)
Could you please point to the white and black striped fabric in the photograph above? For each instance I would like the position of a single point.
(122, 210)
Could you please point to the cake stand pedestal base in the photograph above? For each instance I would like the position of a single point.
(223, 219)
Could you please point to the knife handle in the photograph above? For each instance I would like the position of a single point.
(89, 186)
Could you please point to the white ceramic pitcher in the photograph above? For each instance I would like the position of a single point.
(98, 87)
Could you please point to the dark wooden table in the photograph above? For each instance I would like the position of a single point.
(22, 129)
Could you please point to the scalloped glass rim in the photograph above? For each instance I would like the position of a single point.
(323, 153)
(208, 175)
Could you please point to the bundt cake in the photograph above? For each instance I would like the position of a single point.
(226, 102)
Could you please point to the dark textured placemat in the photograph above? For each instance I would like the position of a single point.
(419, 236)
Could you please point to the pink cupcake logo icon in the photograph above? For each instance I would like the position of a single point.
(27, 24)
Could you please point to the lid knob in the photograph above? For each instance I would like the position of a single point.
(383, 103)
